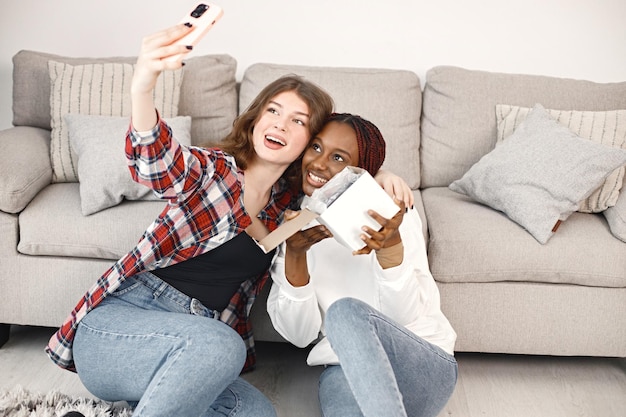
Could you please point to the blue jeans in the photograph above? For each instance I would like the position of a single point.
(385, 369)
(164, 353)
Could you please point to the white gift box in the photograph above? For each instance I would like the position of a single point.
(341, 205)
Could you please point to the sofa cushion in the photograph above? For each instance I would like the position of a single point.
(391, 99)
(607, 128)
(52, 224)
(24, 166)
(459, 120)
(471, 243)
(209, 96)
(98, 89)
(208, 92)
(539, 175)
(98, 142)
(31, 85)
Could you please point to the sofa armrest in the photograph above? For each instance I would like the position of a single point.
(25, 167)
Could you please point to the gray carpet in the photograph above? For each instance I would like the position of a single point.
(19, 402)
(281, 374)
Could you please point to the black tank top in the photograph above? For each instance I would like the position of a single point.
(214, 277)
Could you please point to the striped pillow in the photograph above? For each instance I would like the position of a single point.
(96, 89)
(604, 127)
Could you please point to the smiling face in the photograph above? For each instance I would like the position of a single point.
(334, 148)
(282, 130)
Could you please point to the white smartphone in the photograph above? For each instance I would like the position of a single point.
(203, 17)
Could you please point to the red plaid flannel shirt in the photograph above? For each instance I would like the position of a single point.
(205, 209)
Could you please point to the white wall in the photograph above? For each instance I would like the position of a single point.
(582, 39)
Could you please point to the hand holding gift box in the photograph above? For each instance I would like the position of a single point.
(341, 205)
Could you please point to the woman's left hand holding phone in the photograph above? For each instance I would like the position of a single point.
(150, 64)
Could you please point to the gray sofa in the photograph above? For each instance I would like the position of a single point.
(502, 290)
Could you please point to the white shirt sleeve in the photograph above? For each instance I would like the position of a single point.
(408, 293)
(404, 289)
(294, 311)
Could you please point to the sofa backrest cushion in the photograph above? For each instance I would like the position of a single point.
(459, 117)
(99, 90)
(391, 99)
(208, 91)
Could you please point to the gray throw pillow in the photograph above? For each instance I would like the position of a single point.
(616, 217)
(101, 161)
(605, 127)
(539, 175)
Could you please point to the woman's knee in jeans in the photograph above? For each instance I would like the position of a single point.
(242, 399)
(344, 312)
(222, 348)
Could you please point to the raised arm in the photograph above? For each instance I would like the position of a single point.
(149, 66)
(155, 158)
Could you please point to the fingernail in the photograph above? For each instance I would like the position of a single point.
(190, 47)
(188, 24)
(183, 64)
(406, 210)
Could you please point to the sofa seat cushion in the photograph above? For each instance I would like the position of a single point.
(52, 224)
(470, 242)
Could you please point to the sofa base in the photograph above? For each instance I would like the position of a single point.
(49, 287)
(536, 318)
(489, 317)
(5, 330)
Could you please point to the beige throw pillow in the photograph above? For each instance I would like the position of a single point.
(605, 127)
(96, 89)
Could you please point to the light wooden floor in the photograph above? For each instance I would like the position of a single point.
(488, 386)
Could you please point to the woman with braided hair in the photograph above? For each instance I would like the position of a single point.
(386, 346)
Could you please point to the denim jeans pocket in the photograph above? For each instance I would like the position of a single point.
(125, 287)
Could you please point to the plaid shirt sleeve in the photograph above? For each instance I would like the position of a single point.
(158, 161)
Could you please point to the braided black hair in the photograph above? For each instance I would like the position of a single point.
(369, 140)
